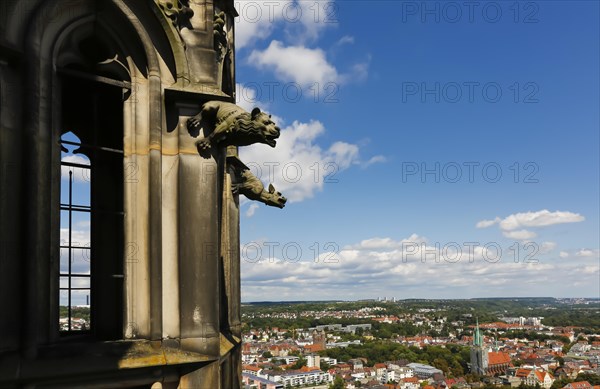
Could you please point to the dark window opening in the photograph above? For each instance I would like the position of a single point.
(92, 213)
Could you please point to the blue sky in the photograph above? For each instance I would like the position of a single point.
(371, 94)
(428, 150)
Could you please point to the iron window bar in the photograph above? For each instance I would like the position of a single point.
(71, 208)
(87, 146)
(94, 77)
(75, 288)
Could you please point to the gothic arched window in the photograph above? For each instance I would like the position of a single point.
(92, 203)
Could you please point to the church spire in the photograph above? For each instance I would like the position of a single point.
(477, 338)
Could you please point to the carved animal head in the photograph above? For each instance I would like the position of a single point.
(274, 198)
(256, 128)
(252, 187)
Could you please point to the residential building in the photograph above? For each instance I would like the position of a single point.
(535, 376)
(313, 360)
(423, 371)
(298, 377)
(254, 382)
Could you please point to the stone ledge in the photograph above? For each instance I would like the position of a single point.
(95, 359)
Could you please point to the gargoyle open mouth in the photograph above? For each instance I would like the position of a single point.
(270, 140)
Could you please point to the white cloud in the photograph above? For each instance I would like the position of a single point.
(377, 243)
(546, 247)
(305, 66)
(344, 154)
(384, 266)
(487, 223)
(519, 234)
(305, 20)
(375, 159)
(301, 21)
(591, 269)
(346, 39)
(358, 72)
(251, 210)
(79, 174)
(512, 225)
(587, 253)
(295, 63)
(582, 254)
(246, 97)
(539, 219)
(256, 21)
(388, 243)
(79, 238)
(298, 167)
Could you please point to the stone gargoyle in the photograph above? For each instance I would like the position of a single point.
(233, 126)
(246, 183)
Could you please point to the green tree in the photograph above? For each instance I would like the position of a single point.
(441, 364)
(559, 383)
(593, 379)
(338, 383)
(299, 363)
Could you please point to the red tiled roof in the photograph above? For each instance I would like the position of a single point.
(498, 358)
(578, 385)
(313, 347)
(306, 368)
(451, 381)
(251, 367)
(342, 366)
(522, 373)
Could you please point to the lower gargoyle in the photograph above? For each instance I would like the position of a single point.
(246, 183)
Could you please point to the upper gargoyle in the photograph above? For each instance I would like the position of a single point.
(233, 126)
